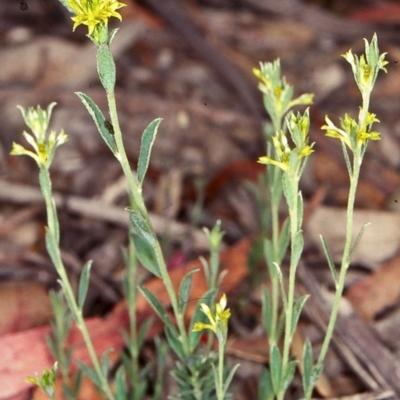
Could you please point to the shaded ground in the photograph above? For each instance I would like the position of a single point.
(191, 64)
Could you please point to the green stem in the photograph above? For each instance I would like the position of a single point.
(136, 192)
(294, 223)
(344, 265)
(132, 299)
(134, 188)
(275, 202)
(220, 387)
(52, 218)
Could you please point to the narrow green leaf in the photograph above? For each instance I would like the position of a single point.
(100, 121)
(289, 373)
(307, 365)
(143, 331)
(175, 343)
(297, 308)
(120, 384)
(106, 67)
(276, 192)
(300, 210)
(278, 273)
(297, 247)
(52, 247)
(280, 327)
(266, 391)
(287, 190)
(276, 367)
(269, 256)
(346, 158)
(230, 377)
(315, 374)
(77, 384)
(145, 243)
(142, 227)
(112, 35)
(284, 239)
(146, 254)
(266, 311)
(357, 242)
(105, 362)
(148, 138)
(90, 373)
(184, 290)
(84, 284)
(329, 258)
(157, 307)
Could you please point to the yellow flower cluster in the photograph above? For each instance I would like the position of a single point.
(93, 13)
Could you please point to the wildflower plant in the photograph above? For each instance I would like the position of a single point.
(286, 158)
(218, 323)
(354, 136)
(287, 154)
(193, 370)
(200, 373)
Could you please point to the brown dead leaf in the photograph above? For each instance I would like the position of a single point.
(378, 291)
(254, 349)
(23, 305)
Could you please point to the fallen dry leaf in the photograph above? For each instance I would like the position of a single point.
(23, 305)
(378, 291)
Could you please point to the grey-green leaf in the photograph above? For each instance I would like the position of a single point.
(157, 307)
(106, 67)
(90, 373)
(276, 367)
(307, 365)
(84, 284)
(266, 391)
(289, 373)
(148, 138)
(120, 384)
(266, 312)
(145, 243)
(284, 240)
(356, 243)
(230, 377)
(329, 258)
(184, 290)
(297, 308)
(99, 120)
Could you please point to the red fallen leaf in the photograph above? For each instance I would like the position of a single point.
(237, 171)
(24, 353)
(380, 13)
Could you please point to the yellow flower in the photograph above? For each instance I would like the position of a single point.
(43, 144)
(218, 322)
(94, 12)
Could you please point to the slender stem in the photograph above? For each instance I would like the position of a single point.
(275, 202)
(344, 265)
(134, 188)
(136, 192)
(294, 223)
(220, 387)
(69, 294)
(132, 298)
